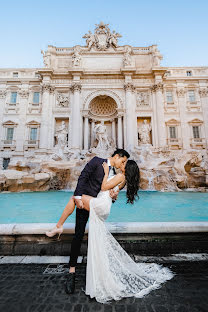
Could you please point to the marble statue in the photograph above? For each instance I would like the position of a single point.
(76, 57)
(102, 137)
(144, 132)
(90, 39)
(46, 58)
(61, 134)
(113, 38)
(127, 61)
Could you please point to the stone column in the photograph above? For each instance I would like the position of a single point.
(2, 104)
(76, 124)
(92, 134)
(44, 140)
(204, 100)
(130, 114)
(154, 120)
(86, 132)
(120, 132)
(113, 124)
(52, 100)
(184, 126)
(21, 128)
(161, 131)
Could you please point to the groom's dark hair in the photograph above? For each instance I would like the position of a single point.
(121, 152)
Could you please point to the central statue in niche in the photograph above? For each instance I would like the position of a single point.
(100, 131)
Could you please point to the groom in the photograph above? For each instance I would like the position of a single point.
(89, 183)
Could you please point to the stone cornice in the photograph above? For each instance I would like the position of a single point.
(45, 72)
(159, 71)
(76, 71)
(128, 70)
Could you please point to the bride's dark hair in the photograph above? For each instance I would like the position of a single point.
(132, 175)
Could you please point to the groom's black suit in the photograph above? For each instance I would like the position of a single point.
(89, 183)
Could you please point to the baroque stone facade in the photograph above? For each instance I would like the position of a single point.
(122, 88)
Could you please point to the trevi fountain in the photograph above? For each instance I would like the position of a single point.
(89, 100)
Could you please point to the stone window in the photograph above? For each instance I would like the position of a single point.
(13, 99)
(9, 135)
(33, 129)
(172, 131)
(191, 94)
(189, 73)
(33, 134)
(36, 97)
(15, 75)
(169, 96)
(196, 133)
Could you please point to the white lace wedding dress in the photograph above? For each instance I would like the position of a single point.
(111, 272)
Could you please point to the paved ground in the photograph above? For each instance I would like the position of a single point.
(39, 287)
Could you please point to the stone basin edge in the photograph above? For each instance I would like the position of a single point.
(114, 227)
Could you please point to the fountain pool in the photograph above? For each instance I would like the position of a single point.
(46, 207)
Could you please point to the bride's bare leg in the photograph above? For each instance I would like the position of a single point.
(86, 201)
(68, 210)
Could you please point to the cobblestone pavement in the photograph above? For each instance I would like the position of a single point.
(40, 287)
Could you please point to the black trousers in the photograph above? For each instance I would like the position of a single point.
(82, 216)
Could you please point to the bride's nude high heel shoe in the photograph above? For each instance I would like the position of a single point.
(55, 231)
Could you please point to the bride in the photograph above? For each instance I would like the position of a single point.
(111, 273)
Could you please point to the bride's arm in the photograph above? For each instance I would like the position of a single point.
(121, 186)
(107, 185)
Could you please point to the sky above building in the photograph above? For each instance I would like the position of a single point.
(179, 28)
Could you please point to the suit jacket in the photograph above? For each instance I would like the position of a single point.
(91, 177)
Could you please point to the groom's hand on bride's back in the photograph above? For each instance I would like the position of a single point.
(113, 195)
(79, 203)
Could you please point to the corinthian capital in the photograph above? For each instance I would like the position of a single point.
(157, 87)
(2, 94)
(203, 92)
(128, 86)
(180, 92)
(47, 87)
(76, 86)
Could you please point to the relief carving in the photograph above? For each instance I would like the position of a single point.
(63, 100)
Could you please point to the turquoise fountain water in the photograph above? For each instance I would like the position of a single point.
(46, 207)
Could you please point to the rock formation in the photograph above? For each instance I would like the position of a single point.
(161, 172)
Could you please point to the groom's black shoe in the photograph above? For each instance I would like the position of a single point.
(70, 283)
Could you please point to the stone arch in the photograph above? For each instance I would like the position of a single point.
(96, 93)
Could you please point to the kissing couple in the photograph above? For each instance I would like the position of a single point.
(111, 274)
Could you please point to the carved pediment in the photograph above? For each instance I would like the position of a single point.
(195, 121)
(172, 122)
(9, 123)
(33, 122)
